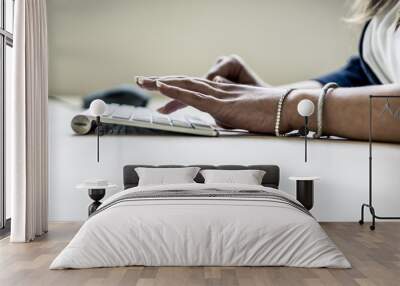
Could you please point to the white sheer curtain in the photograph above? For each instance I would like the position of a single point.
(27, 123)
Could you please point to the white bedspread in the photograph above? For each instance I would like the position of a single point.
(200, 231)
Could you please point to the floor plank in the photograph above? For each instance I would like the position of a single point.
(375, 257)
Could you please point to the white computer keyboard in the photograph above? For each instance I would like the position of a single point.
(141, 117)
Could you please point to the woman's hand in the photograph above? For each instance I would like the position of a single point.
(232, 69)
(227, 69)
(236, 106)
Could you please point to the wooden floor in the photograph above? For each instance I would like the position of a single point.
(375, 257)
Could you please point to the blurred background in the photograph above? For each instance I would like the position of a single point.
(96, 44)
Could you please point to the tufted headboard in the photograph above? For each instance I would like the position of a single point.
(271, 177)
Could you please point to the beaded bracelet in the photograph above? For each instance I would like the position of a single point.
(325, 90)
(279, 112)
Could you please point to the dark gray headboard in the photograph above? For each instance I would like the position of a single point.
(271, 177)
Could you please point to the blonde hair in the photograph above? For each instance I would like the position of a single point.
(364, 10)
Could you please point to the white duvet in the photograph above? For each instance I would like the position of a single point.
(199, 231)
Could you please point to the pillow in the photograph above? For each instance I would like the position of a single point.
(166, 176)
(247, 177)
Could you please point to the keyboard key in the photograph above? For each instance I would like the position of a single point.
(122, 113)
(144, 111)
(181, 123)
(163, 120)
(197, 123)
(195, 120)
(202, 126)
(141, 117)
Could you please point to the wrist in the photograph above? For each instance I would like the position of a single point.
(291, 119)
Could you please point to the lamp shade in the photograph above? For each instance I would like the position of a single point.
(305, 107)
(97, 107)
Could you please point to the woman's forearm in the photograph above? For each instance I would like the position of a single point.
(346, 112)
(307, 84)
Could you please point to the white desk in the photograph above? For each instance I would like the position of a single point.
(343, 165)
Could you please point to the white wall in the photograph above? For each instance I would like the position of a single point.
(342, 166)
(94, 44)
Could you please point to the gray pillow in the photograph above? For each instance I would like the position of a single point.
(166, 176)
(245, 177)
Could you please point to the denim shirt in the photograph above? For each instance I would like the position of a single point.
(355, 73)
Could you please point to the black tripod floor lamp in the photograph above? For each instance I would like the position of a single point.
(387, 108)
(97, 109)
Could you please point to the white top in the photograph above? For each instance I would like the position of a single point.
(303, 178)
(381, 45)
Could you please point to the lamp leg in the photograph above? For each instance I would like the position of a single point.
(98, 137)
(305, 138)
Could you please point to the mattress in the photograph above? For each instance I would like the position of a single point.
(201, 225)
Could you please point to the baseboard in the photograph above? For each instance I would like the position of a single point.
(5, 231)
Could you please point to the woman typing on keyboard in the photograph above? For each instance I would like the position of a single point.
(237, 98)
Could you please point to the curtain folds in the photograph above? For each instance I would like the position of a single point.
(27, 122)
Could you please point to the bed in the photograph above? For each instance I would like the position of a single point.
(201, 224)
